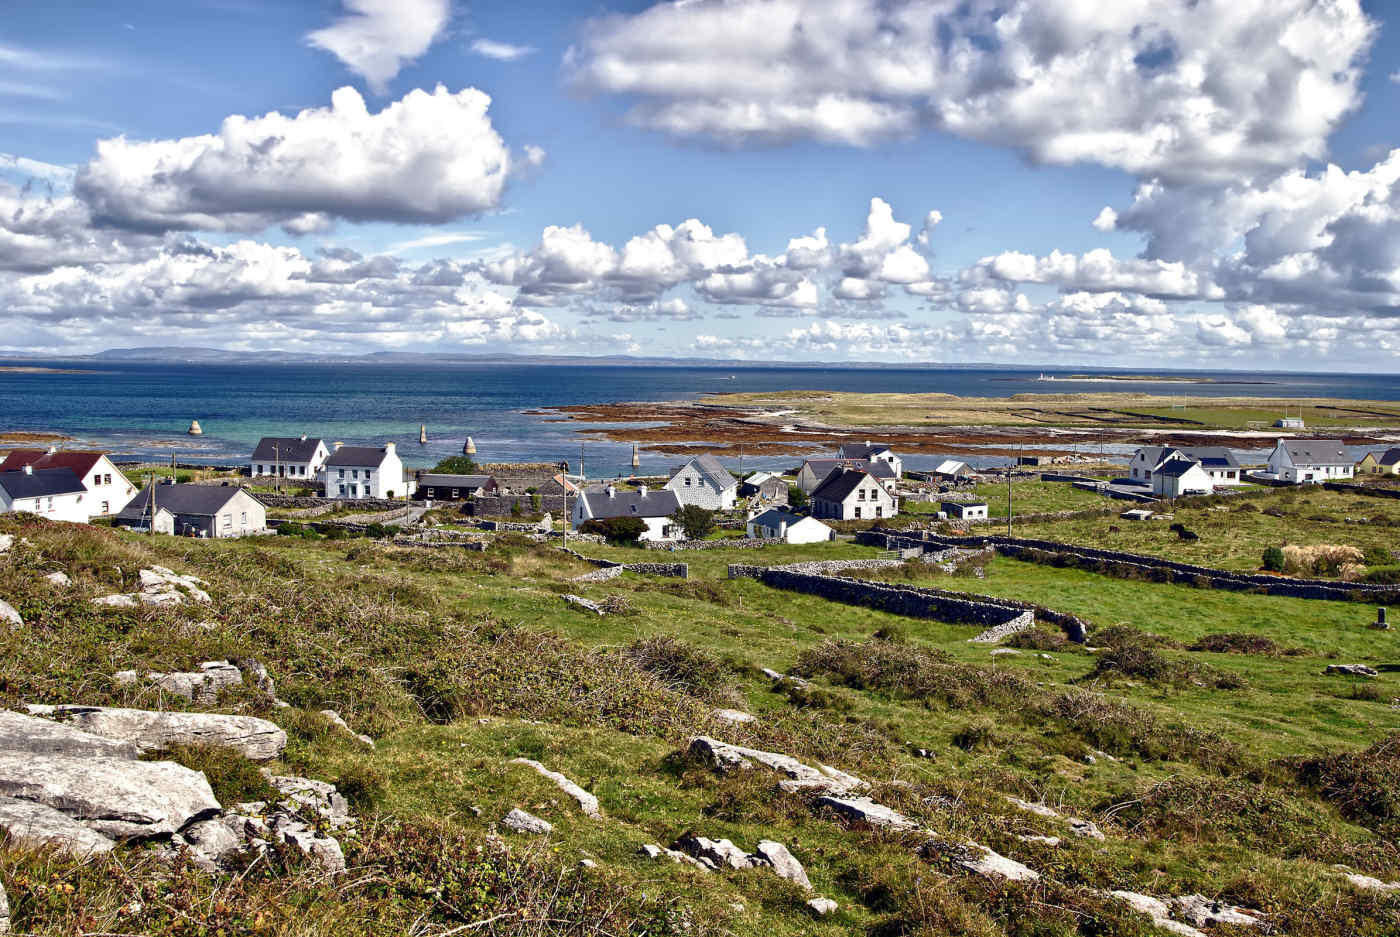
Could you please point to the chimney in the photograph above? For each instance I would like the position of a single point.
(28, 469)
(611, 491)
(389, 448)
(53, 450)
(643, 490)
(303, 437)
(338, 444)
(867, 443)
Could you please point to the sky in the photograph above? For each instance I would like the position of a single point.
(1164, 183)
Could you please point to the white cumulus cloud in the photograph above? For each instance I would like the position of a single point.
(376, 38)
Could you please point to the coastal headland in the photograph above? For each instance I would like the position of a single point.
(796, 422)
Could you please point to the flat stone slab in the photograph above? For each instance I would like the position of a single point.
(21, 733)
(1157, 910)
(255, 738)
(656, 852)
(864, 810)
(200, 686)
(522, 822)
(34, 825)
(737, 716)
(119, 600)
(784, 863)
(116, 797)
(800, 776)
(1370, 883)
(8, 615)
(586, 801)
(821, 907)
(1353, 670)
(1204, 912)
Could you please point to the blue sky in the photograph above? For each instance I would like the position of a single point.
(1166, 183)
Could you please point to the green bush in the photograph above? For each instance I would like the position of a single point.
(679, 665)
(695, 521)
(1273, 560)
(797, 498)
(456, 465)
(622, 531)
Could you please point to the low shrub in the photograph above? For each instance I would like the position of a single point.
(679, 665)
(1146, 664)
(910, 672)
(1382, 575)
(1237, 643)
(1273, 560)
(1124, 730)
(1364, 786)
(1038, 639)
(1128, 636)
(1322, 559)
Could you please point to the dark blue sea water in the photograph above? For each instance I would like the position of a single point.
(142, 409)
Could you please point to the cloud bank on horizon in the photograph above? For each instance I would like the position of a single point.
(1230, 239)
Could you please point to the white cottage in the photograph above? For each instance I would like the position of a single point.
(853, 495)
(1310, 461)
(872, 452)
(1180, 476)
(652, 508)
(703, 481)
(294, 457)
(777, 524)
(107, 488)
(365, 472)
(1218, 462)
(965, 510)
(214, 511)
(53, 493)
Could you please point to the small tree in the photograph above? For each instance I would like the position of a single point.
(1273, 560)
(695, 521)
(536, 502)
(797, 498)
(623, 531)
(456, 465)
(515, 509)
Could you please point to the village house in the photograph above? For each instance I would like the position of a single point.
(765, 487)
(654, 508)
(1180, 476)
(876, 452)
(1310, 461)
(1218, 463)
(777, 524)
(214, 511)
(293, 457)
(703, 481)
(954, 470)
(435, 486)
(853, 495)
(815, 472)
(366, 472)
(57, 494)
(965, 510)
(1380, 463)
(107, 488)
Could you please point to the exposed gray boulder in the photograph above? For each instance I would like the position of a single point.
(21, 733)
(255, 738)
(1157, 911)
(821, 907)
(522, 822)
(201, 686)
(325, 851)
(981, 860)
(586, 801)
(1205, 912)
(310, 798)
(35, 825)
(799, 776)
(736, 716)
(864, 810)
(658, 853)
(784, 863)
(9, 616)
(1051, 841)
(7, 542)
(58, 579)
(588, 605)
(716, 852)
(1369, 883)
(1085, 828)
(117, 797)
(119, 600)
(4, 908)
(1353, 670)
(337, 720)
(212, 843)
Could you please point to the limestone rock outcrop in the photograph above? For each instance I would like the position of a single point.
(149, 730)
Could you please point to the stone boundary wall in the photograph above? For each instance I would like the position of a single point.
(1153, 568)
(608, 569)
(356, 504)
(898, 600)
(513, 527)
(738, 543)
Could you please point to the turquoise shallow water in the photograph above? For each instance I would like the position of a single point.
(142, 410)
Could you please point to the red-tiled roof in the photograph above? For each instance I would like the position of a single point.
(79, 462)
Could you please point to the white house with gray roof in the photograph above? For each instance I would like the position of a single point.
(295, 457)
(652, 507)
(1217, 462)
(366, 472)
(705, 482)
(54, 493)
(777, 524)
(1310, 461)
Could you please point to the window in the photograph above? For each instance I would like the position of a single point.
(341, 473)
(97, 479)
(243, 519)
(106, 479)
(228, 520)
(106, 507)
(860, 494)
(857, 512)
(260, 469)
(687, 481)
(454, 492)
(879, 511)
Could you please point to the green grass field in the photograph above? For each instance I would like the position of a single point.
(456, 662)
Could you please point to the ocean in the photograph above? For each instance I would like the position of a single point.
(141, 410)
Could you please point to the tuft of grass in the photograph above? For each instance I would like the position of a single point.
(1364, 786)
(906, 671)
(680, 666)
(232, 777)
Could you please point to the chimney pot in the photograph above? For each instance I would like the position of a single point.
(338, 444)
(389, 448)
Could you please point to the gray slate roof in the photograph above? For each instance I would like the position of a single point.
(823, 468)
(1316, 452)
(657, 502)
(42, 483)
(839, 485)
(1209, 456)
(776, 516)
(860, 450)
(1176, 467)
(1389, 456)
(199, 500)
(285, 449)
(357, 456)
(712, 471)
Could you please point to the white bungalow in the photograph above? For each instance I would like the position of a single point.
(366, 472)
(1179, 476)
(1218, 462)
(777, 524)
(872, 452)
(107, 488)
(703, 481)
(653, 508)
(293, 457)
(1310, 461)
(965, 510)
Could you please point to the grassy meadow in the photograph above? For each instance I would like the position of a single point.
(1243, 776)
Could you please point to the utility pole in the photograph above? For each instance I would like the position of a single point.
(1008, 499)
(580, 461)
(564, 479)
(276, 469)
